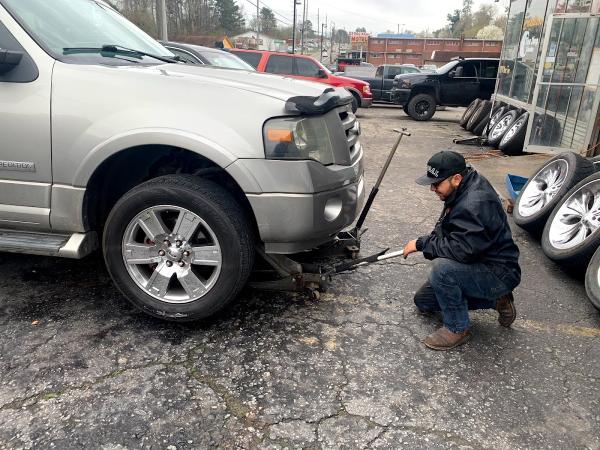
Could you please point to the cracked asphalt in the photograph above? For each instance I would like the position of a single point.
(80, 368)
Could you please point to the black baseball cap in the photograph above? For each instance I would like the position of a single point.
(442, 165)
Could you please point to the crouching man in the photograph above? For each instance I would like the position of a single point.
(475, 260)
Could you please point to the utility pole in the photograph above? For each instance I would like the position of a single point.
(331, 42)
(294, 28)
(304, 8)
(323, 25)
(257, 25)
(162, 20)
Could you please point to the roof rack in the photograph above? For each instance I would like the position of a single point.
(457, 58)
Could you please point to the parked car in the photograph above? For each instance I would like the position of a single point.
(196, 54)
(382, 81)
(457, 83)
(177, 172)
(306, 68)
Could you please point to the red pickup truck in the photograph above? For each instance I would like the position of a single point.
(306, 68)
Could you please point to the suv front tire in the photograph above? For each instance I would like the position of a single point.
(421, 107)
(178, 247)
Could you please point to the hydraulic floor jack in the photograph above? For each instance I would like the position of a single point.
(312, 272)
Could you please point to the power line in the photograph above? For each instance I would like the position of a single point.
(278, 20)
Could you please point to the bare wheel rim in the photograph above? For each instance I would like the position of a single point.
(578, 218)
(172, 254)
(543, 187)
(422, 108)
(496, 116)
(501, 127)
(513, 130)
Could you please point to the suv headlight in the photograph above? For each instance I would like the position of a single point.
(298, 138)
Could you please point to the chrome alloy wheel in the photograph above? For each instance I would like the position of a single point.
(171, 254)
(513, 129)
(578, 217)
(543, 187)
(496, 117)
(500, 127)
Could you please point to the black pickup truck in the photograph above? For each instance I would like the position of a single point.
(381, 83)
(457, 83)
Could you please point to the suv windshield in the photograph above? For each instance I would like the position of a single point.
(89, 26)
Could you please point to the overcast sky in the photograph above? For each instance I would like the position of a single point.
(376, 16)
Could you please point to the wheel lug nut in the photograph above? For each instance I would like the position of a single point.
(167, 243)
(169, 263)
(161, 253)
(186, 253)
(181, 264)
(178, 243)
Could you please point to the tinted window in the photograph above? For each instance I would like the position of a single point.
(393, 71)
(468, 70)
(306, 67)
(489, 69)
(220, 58)
(251, 58)
(26, 71)
(279, 64)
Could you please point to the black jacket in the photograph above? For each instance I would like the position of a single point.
(473, 228)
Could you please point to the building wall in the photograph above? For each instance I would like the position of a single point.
(419, 50)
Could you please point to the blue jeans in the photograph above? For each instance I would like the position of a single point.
(454, 288)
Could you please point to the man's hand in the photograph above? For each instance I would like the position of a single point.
(409, 248)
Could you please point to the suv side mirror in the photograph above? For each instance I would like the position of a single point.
(9, 60)
(451, 74)
(322, 73)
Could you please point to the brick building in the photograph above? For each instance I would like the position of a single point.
(419, 51)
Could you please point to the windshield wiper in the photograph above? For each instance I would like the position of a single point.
(116, 49)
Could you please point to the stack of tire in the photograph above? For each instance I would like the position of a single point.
(501, 125)
(561, 202)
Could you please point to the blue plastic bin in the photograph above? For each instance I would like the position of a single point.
(514, 184)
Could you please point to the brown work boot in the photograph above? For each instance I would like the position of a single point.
(507, 313)
(444, 339)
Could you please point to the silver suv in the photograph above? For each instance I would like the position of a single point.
(177, 172)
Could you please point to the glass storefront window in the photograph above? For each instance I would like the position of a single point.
(511, 46)
(530, 42)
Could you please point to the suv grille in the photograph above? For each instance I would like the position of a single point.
(351, 127)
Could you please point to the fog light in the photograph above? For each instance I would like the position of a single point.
(333, 208)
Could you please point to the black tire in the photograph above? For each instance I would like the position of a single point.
(481, 128)
(482, 111)
(577, 168)
(596, 161)
(405, 109)
(469, 112)
(513, 141)
(501, 127)
(223, 217)
(355, 102)
(421, 107)
(592, 280)
(576, 256)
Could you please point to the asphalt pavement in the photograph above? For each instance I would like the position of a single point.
(81, 368)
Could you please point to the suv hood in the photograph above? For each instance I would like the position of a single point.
(274, 86)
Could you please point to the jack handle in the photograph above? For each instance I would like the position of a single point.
(363, 215)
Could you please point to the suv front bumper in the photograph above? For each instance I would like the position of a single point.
(299, 205)
(400, 96)
(291, 223)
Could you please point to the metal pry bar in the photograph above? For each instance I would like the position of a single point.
(363, 215)
(381, 256)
